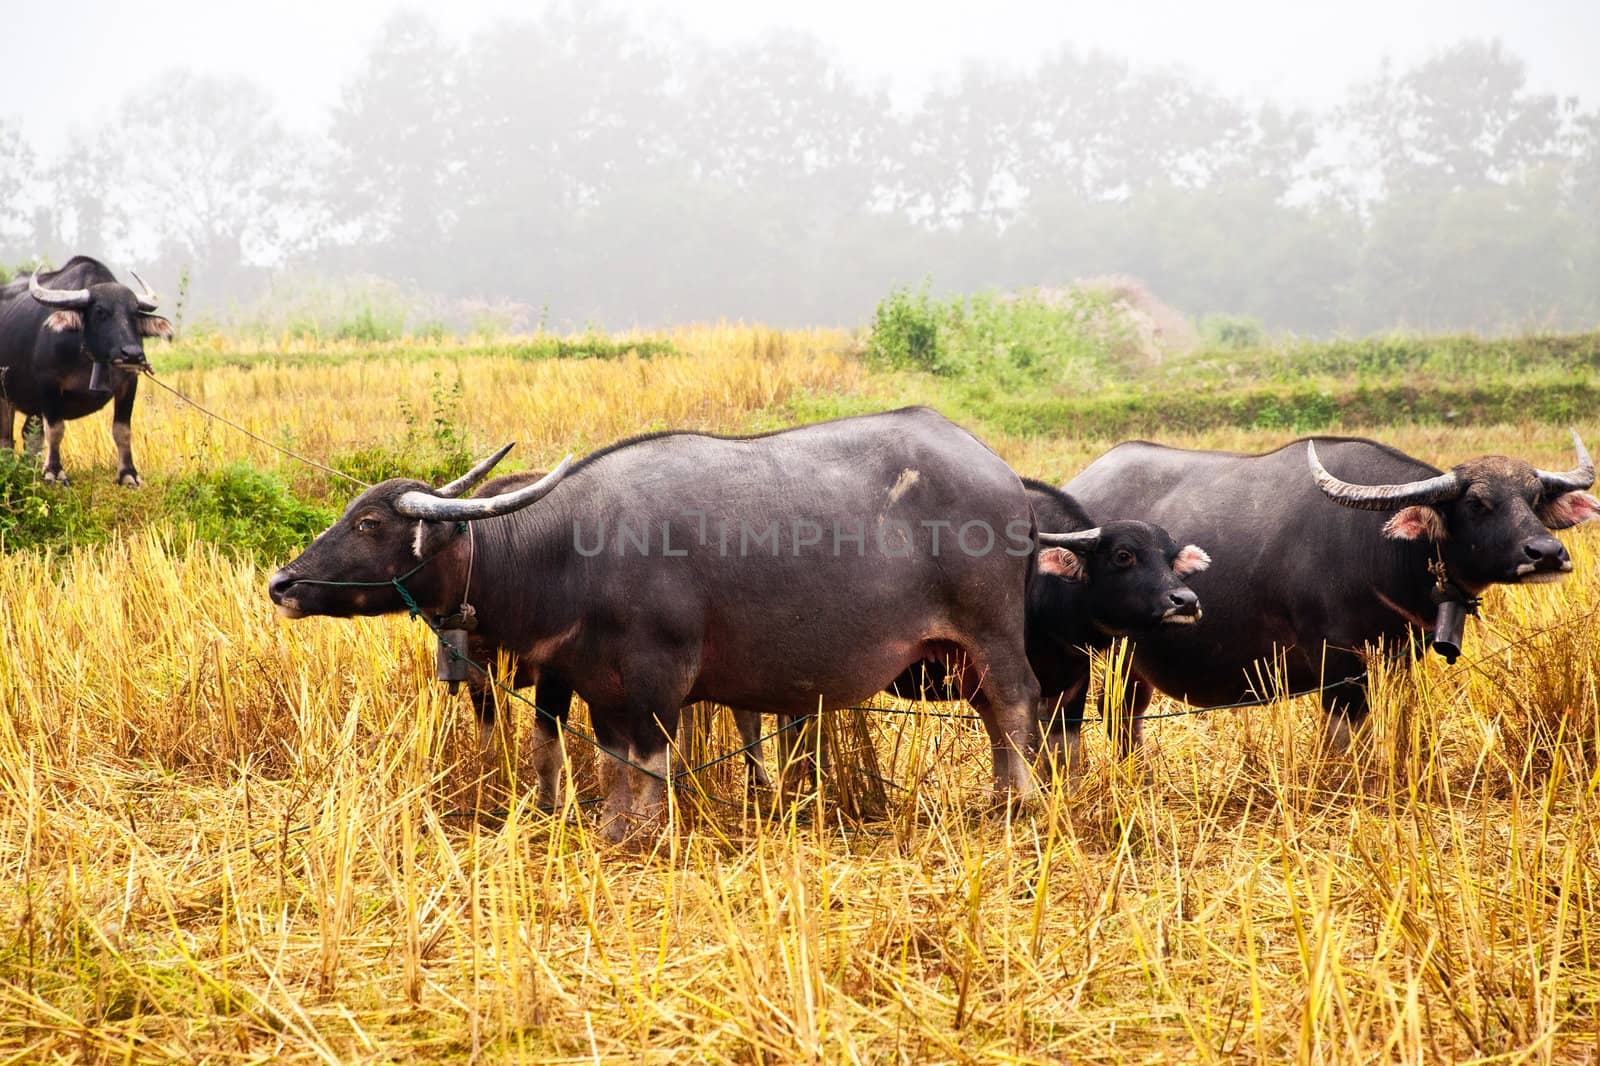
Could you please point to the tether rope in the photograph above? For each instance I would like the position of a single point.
(254, 436)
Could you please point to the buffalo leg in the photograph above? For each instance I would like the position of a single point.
(8, 422)
(122, 432)
(1008, 703)
(1062, 714)
(749, 725)
(615, 783)
(1346, 705)
(799, 746)
(1063, 688)
(638, 734)
(55, 427)
(651, 744)
(552, 701)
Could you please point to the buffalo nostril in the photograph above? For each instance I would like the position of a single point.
(1543, 548)
(277, 583)
(132, 353)
(1184, 598)
(1545, 552)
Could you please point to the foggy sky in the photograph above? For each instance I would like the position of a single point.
(304, 50)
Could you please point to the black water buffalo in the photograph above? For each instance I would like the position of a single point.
(1088, 588)
(1309, 569)
(776, 573)
(54, 329)
(1120, 578)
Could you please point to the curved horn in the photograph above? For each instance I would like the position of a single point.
(426, 505)
(466, 481)
(77, 299)
(148, 300)
(1574, 480)
(1086, 540)
(1381, 497)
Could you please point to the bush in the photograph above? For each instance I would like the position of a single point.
(371, 326)
(36, 515)
(246, 511)
(1232, 332)
(1058, 339)
(905, 333)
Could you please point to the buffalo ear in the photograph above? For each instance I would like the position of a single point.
(1568, 509)
(1416, 523)
(1062, 563)
(64, 321)
(154, 326)
(1191, 560)
(431, 537)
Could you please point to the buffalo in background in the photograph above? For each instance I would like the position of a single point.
(72, 341)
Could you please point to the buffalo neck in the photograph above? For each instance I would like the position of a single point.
(1405, 579)
(518, 586)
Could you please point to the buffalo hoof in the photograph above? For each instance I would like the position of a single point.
(633, 833)
(130, 478)
(1010, 801)
(56, 477)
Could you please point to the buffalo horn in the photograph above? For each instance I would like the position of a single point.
(1575, 480)
(1086, 540)
(426, 505)
(148, 301)
(77, 299)
(466, 481)
(1382, 497)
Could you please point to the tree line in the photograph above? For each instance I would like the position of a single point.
(587, 171)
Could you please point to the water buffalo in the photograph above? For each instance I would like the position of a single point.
(53, 338)
(775, 573)
(1088, 588)
(1310, 569)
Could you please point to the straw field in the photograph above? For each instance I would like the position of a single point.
(229, 838)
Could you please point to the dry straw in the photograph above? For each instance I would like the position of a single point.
(226, 839)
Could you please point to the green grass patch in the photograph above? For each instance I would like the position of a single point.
(246, 511)
(1309, 408)
(34, 514)
(206, 351)
(1385, 358)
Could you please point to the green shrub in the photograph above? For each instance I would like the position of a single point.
(247, 511)
(591, 346)
(906, 334)
(36, 515)
(371, 326)
(1063, 339)
(1232, 332)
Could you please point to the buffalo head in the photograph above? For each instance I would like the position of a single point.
(1490, 517)
(112, 319)
(396, 528)
(1131, 574)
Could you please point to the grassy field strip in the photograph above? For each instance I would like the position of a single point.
(228, 838)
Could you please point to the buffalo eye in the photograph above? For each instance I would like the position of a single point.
(1478, 505)
(1123, 558)
(367, 525)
